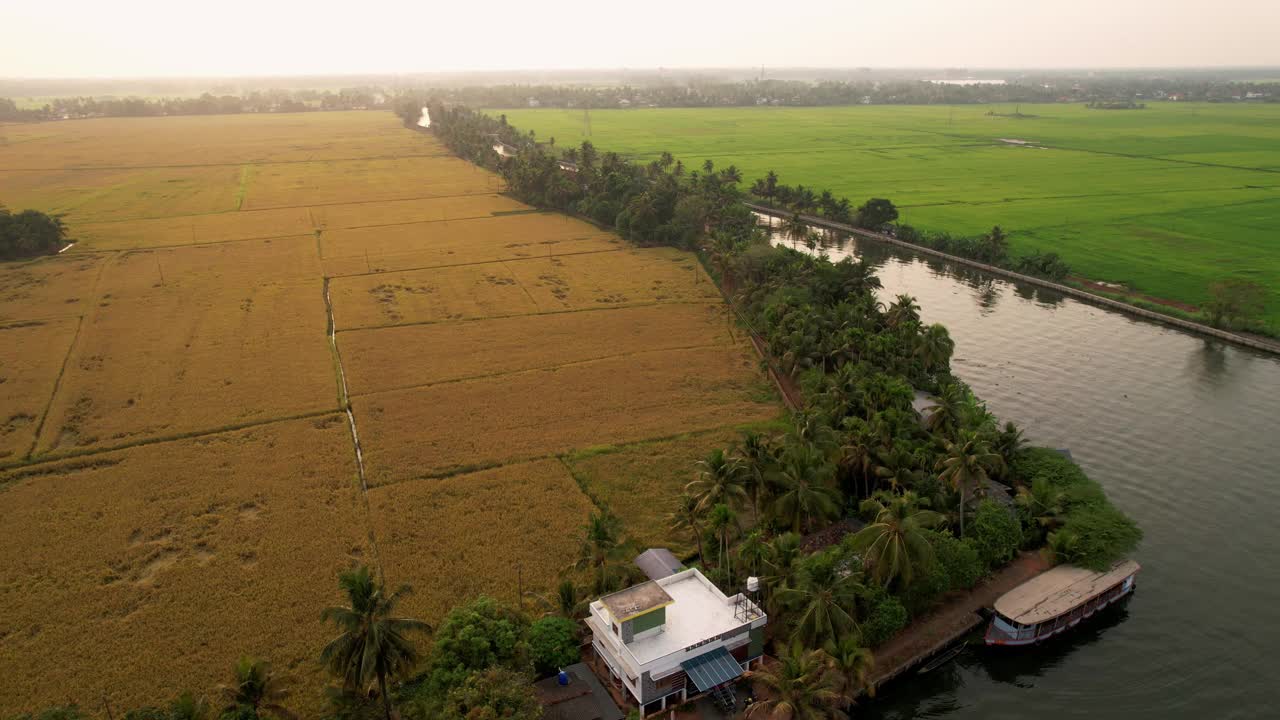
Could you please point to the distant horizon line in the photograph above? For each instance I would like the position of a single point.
(649, 69)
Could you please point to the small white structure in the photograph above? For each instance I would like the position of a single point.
(668, 640)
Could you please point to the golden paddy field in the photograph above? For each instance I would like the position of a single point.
(180, 485)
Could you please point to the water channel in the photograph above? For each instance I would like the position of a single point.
(1184, 434)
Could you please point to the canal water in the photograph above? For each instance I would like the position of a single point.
(1184, 434)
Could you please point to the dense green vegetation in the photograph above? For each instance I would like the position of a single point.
(29, 233)
(857, 448)
(1166, 201)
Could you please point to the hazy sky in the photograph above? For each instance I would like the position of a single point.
(95, 38)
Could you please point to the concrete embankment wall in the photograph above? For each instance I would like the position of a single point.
(1181, 324)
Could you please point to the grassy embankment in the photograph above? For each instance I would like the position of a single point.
(1165, 200)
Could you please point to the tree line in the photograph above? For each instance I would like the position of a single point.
(925, 483)
(30, 233)
(205, 104)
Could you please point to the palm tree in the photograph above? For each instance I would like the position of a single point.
(968, 461)
(686, 518)
(851, 661)
(756, 454)
(188, 707)
(723, 521)
(934, 347)
(799, 686)
(255, 687)
(894, 544)
(897, 466)
(1043, 503)
(780, 559)
(904, 309)
(824, 599)
(372, 643)
(1009, 443)
(600, 543)
(948, 412)
(795, 228)
(753, 551)
(567, 601)
(806, 493)
(719, 481)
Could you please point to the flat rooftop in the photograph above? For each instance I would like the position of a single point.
(1057, 591)
(636, 600)
(699, 611)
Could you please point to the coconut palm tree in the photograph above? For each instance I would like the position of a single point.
(255, 687)
(851, 662)
(894, 544)
(723, 521)
(373, 644)
(806, 494)
(758, 458)
(686, 518)
(934, 347)
(780, 559)
(795, 228)
(824, 599)
(567, 601)
(720, 480)
(800, 686)
(948, 412)
(1043, 504)
(967, 462)
(599, 544)
(1009, 443)
(753, 551)
(897, 467)
(904, 309)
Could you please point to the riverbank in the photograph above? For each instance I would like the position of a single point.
(1249, 341)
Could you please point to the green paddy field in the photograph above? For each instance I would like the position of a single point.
(1168, 199)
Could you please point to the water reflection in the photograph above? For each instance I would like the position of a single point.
(1181, 432)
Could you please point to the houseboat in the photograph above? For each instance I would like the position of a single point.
(1054, 601)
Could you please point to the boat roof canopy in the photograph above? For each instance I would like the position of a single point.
(1058, 591)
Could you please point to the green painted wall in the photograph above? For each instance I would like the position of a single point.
(648, 621)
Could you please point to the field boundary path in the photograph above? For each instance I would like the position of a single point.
(950, 621)
(1255, 343)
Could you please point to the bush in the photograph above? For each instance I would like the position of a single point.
(553, 643)
(1048, 463)
(995, 534)
(886, 617)
(960, 559)
(494, 694)
(477, 636)
(29, 233)
(1102, 535)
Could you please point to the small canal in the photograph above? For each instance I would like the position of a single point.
(1184, 434)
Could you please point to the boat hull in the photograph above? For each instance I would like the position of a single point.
(994, 636)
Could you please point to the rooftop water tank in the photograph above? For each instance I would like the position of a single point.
(753, 584)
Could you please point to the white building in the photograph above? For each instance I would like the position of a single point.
(668, 640)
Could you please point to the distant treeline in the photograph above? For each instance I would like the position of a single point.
(29, 233)
(206, 104)
(1098, 92)
(902, 92)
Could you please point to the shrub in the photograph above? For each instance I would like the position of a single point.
(494, 694)
(477, 636)
(960, 558)
(886, 617)
(995, 534)
(1048, 463)
(553, 643)
(1102, 535)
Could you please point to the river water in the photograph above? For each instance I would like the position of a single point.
(1184, 435)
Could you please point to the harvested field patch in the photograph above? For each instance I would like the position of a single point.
(393, 212)
(440, 428)
(193, 229)
(142, 572)
(438, 244)
(215, 344)
(441, 535)
(436, 295)
(399, 357)
(642, 483)
(31, 356)
(344, 181)
(222, 139)
(631, 277)
(103, 195)
(52, 287)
